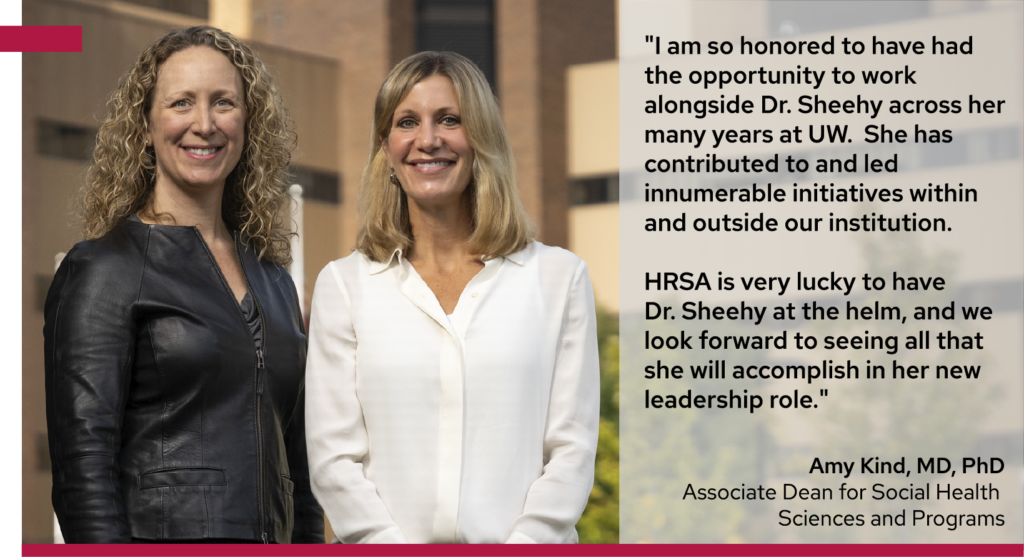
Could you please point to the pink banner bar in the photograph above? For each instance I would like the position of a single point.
(640, 550)
(42, 38)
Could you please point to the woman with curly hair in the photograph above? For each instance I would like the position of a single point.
(175, 348)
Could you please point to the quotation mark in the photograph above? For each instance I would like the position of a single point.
(655, 40)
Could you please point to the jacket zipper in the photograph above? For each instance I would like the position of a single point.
(259, 367)
(259, 434)
(259, 393)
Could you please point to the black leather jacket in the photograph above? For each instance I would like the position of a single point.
(164, 421)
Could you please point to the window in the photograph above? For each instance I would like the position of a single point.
(462, 26)
(600, 189)
(796, 17)
(317, 185)
(67, 141)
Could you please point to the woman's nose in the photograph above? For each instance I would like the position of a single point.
(202, 122)
(428, 138)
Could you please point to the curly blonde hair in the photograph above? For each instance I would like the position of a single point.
(500, 223)
(121, 178)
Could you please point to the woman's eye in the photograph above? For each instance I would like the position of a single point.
(225, 102)
(450, 121)
(180, 104)
(405, 124)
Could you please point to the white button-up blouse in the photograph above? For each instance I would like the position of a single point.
(478, 427)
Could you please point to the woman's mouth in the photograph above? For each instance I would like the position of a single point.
(432, 164)
(202, 151)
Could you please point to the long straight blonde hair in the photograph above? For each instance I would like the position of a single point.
(500, 224)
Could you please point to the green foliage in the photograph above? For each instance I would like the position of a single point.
(600, 521)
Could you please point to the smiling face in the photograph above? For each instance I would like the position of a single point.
(427, 145)
(197, 120)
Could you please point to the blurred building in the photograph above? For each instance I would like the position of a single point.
(329, 57)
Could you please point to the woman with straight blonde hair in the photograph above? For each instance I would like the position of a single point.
(452, 367)
(175, 351)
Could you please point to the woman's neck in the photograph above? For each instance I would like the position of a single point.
(175, 206)
(441, 234)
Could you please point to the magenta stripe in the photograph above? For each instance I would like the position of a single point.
(42, 38)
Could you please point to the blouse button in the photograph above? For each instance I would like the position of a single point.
(475, 294)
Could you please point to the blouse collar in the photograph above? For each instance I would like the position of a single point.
(376, 267)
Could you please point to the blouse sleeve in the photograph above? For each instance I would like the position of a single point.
(335, 433)
(89, 337)
(557, 498)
